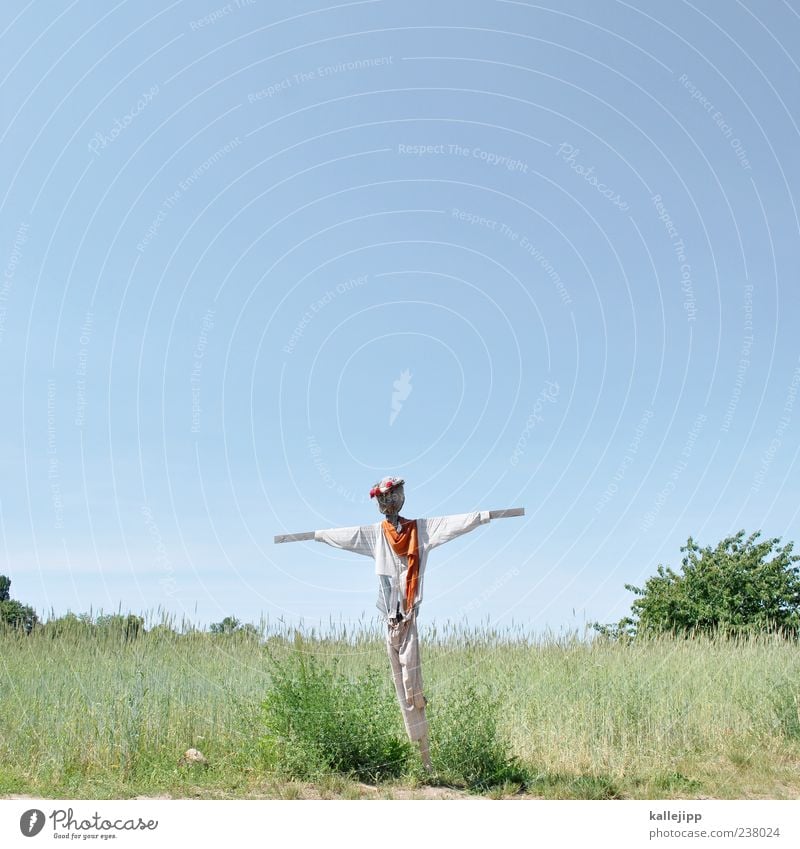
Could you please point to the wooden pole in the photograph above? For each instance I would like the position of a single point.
(294, 537)
(493, 514)
(507, 514)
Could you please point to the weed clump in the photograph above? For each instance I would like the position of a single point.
(319, 721)
(467, 747)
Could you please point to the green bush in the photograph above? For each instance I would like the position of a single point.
(319, 721)
(118, 625)
(741, 586)
(15, 615)
(785, 698)
(467, 749)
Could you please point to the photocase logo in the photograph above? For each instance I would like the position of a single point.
(402, 389)
(31, 822)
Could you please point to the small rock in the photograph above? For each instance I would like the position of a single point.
(193, 757)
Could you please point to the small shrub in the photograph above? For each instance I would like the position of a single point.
(594, 787)
(785, 701)
(466, 746)
(319, 721)
(674, 782)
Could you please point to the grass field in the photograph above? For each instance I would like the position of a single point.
(91, 715)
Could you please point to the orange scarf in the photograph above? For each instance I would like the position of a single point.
(405, 544)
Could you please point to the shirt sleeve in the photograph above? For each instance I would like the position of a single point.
(359, 539)
(442, 529)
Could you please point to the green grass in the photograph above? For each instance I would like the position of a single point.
(90, 715)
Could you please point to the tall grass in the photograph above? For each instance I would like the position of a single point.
(89, 713)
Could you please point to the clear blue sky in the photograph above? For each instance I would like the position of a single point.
(229, 230)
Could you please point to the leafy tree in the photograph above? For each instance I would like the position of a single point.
(17, 615)
(229, 625)
(250, 631)
(14, 614)
(134, 626)
(129, 627)
(741, 585)
(67, 625)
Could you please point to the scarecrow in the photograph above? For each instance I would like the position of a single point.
(400, 549)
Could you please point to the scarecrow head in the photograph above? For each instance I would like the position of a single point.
(390, 495)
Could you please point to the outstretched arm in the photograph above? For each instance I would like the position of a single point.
(442, 529)
(359, 539)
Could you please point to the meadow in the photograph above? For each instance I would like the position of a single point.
(89, 713)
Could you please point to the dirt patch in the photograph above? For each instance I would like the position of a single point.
(333, 789)
(301, 790)
(413, 792)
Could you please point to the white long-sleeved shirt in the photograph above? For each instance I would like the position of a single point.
(391, 568)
